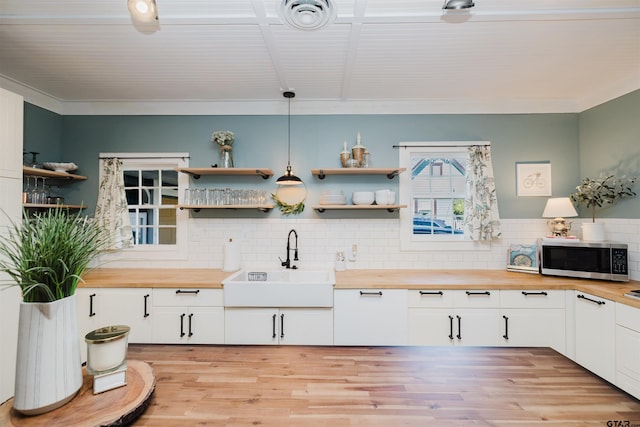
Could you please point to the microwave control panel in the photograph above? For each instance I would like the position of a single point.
(619, 261)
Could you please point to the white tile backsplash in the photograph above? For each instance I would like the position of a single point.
(263, 241)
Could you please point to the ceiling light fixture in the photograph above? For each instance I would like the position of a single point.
(144, 15)
(458, 4)
(308, 15)
(289, 178)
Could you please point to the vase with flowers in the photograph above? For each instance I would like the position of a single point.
(595, 193)
(224, 139)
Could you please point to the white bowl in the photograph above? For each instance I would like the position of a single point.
(363, 197)
(60, 167)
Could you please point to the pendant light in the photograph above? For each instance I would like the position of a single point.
(289, 178)
(458, 4)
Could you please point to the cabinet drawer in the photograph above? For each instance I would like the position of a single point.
(435, 298)
(187, 297)
(477, 298)
(532, 299)
(628, 316)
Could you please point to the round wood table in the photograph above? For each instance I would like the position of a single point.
(117, 407)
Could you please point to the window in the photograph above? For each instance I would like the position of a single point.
(434, 190)
(152, 186)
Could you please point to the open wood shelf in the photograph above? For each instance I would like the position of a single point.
(389, 172)
(390, 208)
(29, 171)
(196, 173)
(48, 206)
(196, 208)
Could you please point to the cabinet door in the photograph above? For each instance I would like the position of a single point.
(85, 302)
(130, 307)
(595, 335)
(205, 325)
(11, 137)
(254, 325)
(370, 317)
(306, 326)
(628, 349)
(431, 326)
(170, 325)
(537, 327)
(477, 327)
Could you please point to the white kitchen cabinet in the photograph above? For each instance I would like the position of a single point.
(286, 326)
(533, 319)
(193, 316)
(370, 317)
(595, 335)
(447, 317)
(11, 135)
(628, 349)
(99, 307)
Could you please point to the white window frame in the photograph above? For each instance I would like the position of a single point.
(409, 241)
(156, 252)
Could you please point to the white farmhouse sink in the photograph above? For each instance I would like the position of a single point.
(279, 288)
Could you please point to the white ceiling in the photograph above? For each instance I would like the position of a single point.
(378, 56)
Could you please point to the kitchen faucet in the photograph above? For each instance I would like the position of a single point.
(287, 262)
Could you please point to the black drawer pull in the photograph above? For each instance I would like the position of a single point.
(282, 326)
(180, 291)
(190, 331)
(478, 293)
(379, 293)
(459, 327)
(431, 293)
(91, 312)
(451, 327)
(506, 328)
(591, 300)
(526, 294)
(182, 325)
(146, 300)
(274, 326)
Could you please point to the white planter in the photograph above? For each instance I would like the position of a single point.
(48, 369)
(593, 231)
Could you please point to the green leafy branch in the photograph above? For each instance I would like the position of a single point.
(286, 208)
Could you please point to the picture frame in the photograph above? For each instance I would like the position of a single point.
(533, 179)
(523, 258)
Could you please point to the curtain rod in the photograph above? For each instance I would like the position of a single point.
(182, 156)
(471, 144)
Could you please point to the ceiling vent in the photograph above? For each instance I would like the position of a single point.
(308, 15)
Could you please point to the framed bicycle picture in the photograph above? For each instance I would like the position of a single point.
(533, 178)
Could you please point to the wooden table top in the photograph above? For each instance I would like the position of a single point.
(368, 279)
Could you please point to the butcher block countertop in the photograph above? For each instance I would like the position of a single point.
(368, 279)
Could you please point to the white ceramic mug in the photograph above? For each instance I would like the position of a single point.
(392, 198)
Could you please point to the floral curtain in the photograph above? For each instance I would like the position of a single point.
(481, 217)
(112, 211)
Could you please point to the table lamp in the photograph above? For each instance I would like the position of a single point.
(558, 208)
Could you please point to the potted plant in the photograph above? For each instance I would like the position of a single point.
(45, 255)
(598, 192)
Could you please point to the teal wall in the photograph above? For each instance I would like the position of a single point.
(610, 143)
(261, 141)
(603, 138)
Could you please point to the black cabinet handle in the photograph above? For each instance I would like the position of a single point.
(506, 328)
(431, 293)
(591, 300)
(91, 312)
(180, 291)
(190, 331)
(459, 327)
(526, 294)
(451, 327)
(146, 301)
(282, 325)
(379, 293)
(182, 325)
(274, 327)
(478, 293)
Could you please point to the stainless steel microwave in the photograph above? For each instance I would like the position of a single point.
(589, 260)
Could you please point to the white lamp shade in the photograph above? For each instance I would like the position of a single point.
(143, 11)
(559, 207)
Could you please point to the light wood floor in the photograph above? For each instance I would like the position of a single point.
(383, 386)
